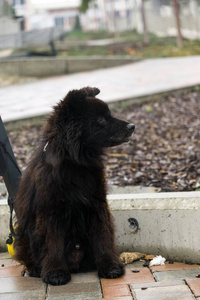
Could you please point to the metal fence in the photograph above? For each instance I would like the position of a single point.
(33, 38)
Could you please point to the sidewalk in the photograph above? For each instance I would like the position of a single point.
(143, 78)
(174, 281)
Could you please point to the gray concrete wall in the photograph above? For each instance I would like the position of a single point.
(8, 26)
(168, 224)
(52, 66)
(4, 224)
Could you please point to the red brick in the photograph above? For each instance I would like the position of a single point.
(144, 275)
(115, 298)
(13, 271)
(173, 267)
(110, 291)
(194, 284)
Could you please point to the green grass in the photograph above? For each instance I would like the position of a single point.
(165, 48)
(101, 34)
(92, 35)
(134, 45)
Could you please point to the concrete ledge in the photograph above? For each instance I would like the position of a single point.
(155, 201)
(168, 224)
(71, 43)
(4, 224)
(52, 66)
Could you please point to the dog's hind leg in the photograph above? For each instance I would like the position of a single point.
(24, 254)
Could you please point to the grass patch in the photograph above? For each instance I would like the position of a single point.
(89, 35)
(133, 45)
(100, 34)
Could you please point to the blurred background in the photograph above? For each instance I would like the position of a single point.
(153, 23)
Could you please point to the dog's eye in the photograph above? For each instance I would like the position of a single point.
(102, 121)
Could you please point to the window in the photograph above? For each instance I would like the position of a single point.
(128, 13)
(59, 21)
(117, 14)
(18, 2)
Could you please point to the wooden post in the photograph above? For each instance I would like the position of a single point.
(144, 21)
(106, 22)
(179, 39)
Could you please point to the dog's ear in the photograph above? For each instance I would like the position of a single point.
(91, 92)
(75, 98)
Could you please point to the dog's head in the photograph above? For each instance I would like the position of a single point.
(85, 122)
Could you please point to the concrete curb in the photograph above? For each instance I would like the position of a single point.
(54, 66)
(168, 223)
(155, 201)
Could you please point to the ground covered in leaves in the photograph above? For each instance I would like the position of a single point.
(164, 151)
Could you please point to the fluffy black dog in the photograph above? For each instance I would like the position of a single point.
(71, 227)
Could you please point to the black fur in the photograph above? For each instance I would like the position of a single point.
(71, 228)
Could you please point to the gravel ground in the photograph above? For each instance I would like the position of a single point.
(164, 151)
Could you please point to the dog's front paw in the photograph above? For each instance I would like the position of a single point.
(57, 277)
(34, 271)
(111, 271)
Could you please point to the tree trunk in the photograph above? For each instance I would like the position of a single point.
(144, 21)
(179, 39)
(106, 23)
(196, 13)
(114, 18)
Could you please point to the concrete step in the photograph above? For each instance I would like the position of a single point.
(115, 189)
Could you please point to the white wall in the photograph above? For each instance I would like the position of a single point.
(8, 26)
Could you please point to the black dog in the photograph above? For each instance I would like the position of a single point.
(71, 228)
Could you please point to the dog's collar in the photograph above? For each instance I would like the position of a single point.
(43, 151)
(45, 147)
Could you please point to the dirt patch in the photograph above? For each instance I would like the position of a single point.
(164, 151)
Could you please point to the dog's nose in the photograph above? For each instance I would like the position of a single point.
(131, 127)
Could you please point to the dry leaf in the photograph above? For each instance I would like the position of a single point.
(129, 257)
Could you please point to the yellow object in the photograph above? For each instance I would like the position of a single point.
(10, 247)
(10, 242)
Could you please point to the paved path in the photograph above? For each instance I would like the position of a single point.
(125, 82)
(172, 281)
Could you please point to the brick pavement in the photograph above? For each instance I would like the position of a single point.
(147, 77)
(139, 283)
